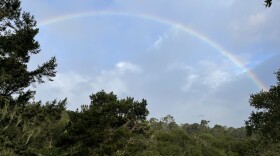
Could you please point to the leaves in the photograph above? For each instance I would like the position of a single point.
(107, 125)
(17, 44)
(265, 121)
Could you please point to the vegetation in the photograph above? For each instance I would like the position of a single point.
(108, 125)
(268, 3)
(265, 121)
(17, 30)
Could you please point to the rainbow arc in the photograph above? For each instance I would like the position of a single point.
(187, 29)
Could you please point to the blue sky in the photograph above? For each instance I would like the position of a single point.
(178, 73)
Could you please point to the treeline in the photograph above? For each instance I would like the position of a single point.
(111, 126)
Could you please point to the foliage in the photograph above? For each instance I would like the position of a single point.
(199, 139)
(17, 32)
(265, 121)
(32, 129)
(25, 128)
(106, 126)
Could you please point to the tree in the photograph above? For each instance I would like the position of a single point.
(107, 126)
(17, 43)
(265, 121)
(33, 129)
(25, 128)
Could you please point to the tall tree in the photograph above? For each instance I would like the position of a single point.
(265, 121)
(17, 43)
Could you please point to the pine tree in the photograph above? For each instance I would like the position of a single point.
(17, 44)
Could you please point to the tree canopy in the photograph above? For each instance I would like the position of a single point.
(17, 43)
(265, 121)
(107, 126)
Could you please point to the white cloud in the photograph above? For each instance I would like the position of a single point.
(115, 79)
(157, 44)
(216, 78)
(215, 74)
(207, 73)
(67, 82)
(77, 87)
(71, 85)
(190, 76)
(127, 66)
(190, 80)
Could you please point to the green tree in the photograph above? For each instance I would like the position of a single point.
(265, 121)
(25, 128)
(107, 126)
(17, 43)
(32, 129)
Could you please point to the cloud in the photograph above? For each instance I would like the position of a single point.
(77, 87)
(249, 28)
(157, 44)
(214, 75)
(189, 76)
(254, 26)
(115, 79)
(66, 85)
(123, 67)
(207, 74)
(176, 72)
(190, 80)
(216, 79)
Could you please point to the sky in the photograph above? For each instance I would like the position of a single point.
(192, 59)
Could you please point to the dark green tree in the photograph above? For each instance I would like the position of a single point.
(25, 128)
(107, 126)
(17, 44)
(265, 121)
(33, 129)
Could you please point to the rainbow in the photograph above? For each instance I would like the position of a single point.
(187, 29)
